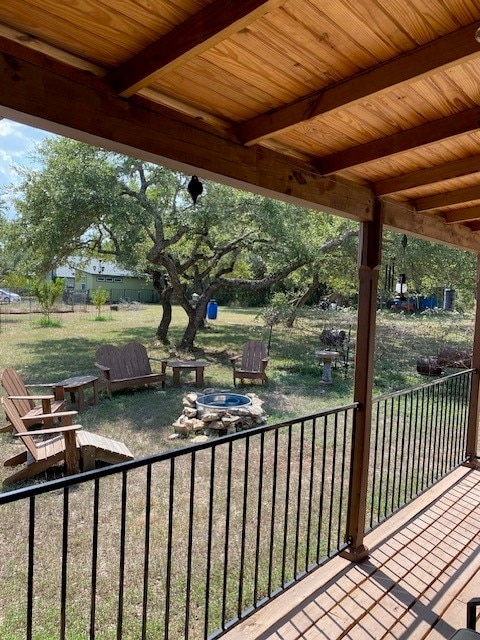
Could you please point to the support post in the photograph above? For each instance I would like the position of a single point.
(474, 408)
(369, 257)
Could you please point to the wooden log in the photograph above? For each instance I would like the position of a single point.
(458, 358)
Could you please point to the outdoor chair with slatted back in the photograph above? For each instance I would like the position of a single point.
(68, 444)
(127, 367)
(254, 360)
(31, 406)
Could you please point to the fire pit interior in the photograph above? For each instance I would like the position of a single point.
(223, 401)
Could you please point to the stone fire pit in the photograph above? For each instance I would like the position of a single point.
(218, 413)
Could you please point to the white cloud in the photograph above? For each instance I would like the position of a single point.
(17, 142)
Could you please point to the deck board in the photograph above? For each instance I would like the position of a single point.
(423, 567)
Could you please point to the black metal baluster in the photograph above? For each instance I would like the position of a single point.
(93, 593)
(287, 504)
(146, 550)
(31, 558)
(227, 534)
(209, 540)
(272, 521)
(416, 454)
(244, 527)
(322, 486)
(342, 481)
(424, 437)
(299, 498)
(402, 480)
(410, 455)
(395, 453)
(310, 493)
(259, 518)
(121, 578)
(168, 569)
(382, 485)
(63, 588)
(443, 431)
(389, 456)
(191, 513)
(332, 485)
(375, 445)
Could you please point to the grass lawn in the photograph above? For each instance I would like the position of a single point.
(143, 419)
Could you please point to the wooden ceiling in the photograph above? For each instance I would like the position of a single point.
(333, 104)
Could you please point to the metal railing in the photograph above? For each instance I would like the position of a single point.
(182, 544)
(417, 437)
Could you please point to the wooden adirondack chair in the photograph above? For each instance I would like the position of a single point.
(127, 367)
(27, 404)
(253, 364)
(77, 449)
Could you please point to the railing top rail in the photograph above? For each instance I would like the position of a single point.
(403, 392)
(123, 467)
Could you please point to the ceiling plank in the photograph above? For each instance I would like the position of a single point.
(403, 217)
(447, 171)
(438, 55)
(424, 134)
(461, 215)
(41, 94)
(439, 200)
(200, 32)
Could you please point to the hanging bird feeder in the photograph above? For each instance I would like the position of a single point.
(195, 188)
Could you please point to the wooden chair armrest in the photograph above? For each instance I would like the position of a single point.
(163, 361)
(42, 432)
(233, 358)
(265, 359)
(101, 367)
(59, 414)
(49, 397)
(41, 384)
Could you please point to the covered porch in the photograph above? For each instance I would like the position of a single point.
(367, 110)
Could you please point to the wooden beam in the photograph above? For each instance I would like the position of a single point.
(402, 217)
(41, 94)
(369, 258)
(460, 216)
(203, 30)
(437, 56)
(422, 135)
(474, 405)
(459, 196)
(454, 169)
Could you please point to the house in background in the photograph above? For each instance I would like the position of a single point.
(82, 280)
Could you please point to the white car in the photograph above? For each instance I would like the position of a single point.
(8, 296)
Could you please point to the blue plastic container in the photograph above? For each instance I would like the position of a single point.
(212, 310)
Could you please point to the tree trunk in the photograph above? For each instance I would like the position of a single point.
(165, 292)
(196, 321)
(314, 286)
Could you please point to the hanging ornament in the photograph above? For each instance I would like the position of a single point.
(195, 188)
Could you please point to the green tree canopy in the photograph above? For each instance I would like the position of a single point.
(87, 201)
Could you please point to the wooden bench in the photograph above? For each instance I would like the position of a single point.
(127, 367)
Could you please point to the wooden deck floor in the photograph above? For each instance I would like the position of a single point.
(423, 567)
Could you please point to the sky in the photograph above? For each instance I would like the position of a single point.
(17, 141)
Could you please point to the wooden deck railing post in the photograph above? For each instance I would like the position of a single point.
(474, 409)
(369, 254)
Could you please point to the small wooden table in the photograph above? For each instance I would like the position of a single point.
(187, 365)
(77, 385)
(327, 357)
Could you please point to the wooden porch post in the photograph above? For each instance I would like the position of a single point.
(474, 410)
(369, 256)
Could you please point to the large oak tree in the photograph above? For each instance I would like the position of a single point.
(86, 201)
